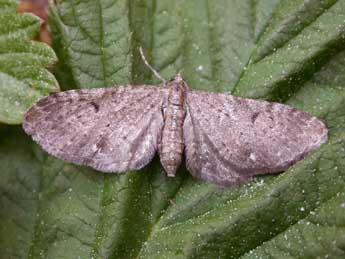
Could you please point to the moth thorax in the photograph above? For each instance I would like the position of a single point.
(177, 94)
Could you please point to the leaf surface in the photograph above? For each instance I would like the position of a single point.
(287, 51)
(23, 77)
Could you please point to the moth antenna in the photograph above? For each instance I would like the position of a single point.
(150, 67)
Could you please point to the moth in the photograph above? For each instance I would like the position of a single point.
(225, 139)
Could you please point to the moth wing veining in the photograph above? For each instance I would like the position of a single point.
(110, 129)
(230, 139)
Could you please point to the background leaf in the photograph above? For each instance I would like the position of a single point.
(287, 51)
(23, 79)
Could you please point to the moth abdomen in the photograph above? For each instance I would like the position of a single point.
(172, 142)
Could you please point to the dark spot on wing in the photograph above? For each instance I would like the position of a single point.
(95, 106)
(43, 102)
(255, 116)
(101, 145)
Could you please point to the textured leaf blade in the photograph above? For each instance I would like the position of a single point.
(289, 20)
(146, 215)
(19, 188)
(278, 74)
(99, 52)
(323, 226)
(23, 77)
(259, 214)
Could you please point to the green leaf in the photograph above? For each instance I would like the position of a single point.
(288, 51)
(23, 78)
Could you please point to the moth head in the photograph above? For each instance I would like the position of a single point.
(178, 78)
(177, 82)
